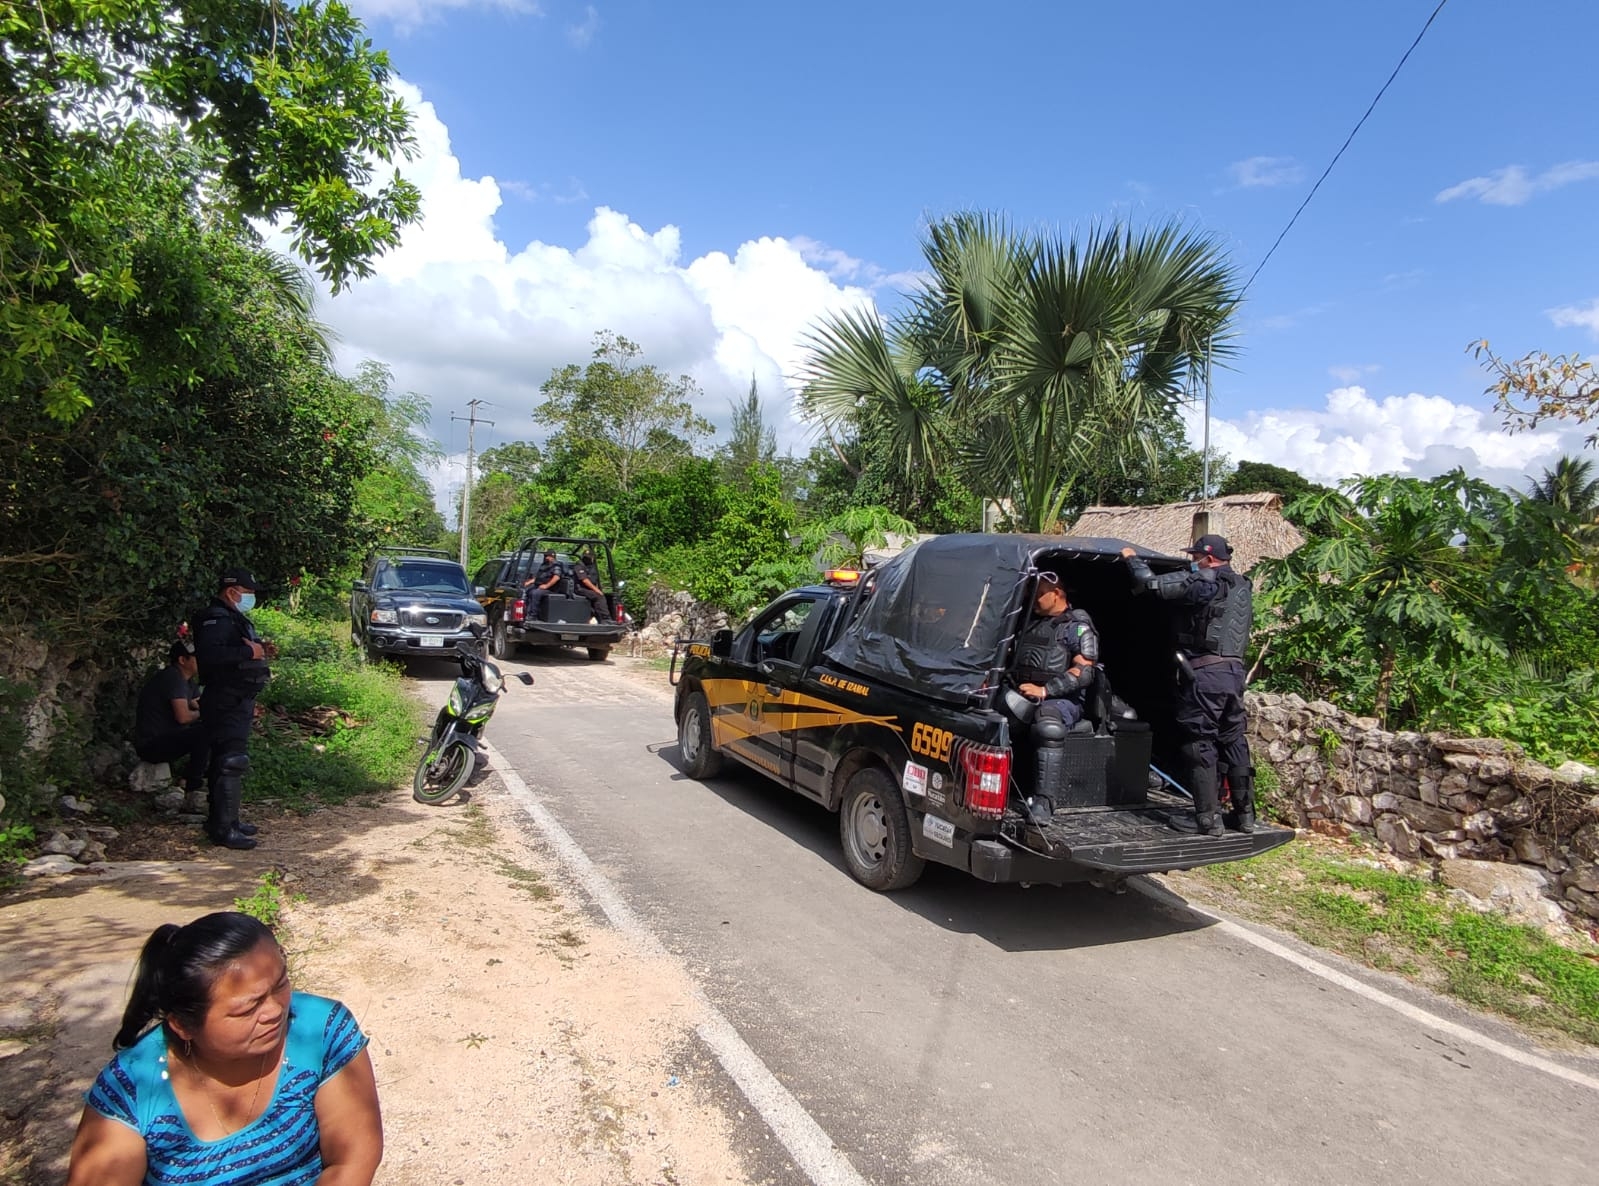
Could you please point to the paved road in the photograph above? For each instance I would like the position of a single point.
(961, 1033)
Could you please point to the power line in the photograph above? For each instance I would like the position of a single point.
(1343, 146)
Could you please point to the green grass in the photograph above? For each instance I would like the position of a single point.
(1408, 925)
(265, 903)
(301, 767)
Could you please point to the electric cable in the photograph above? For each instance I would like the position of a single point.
(1361, 122)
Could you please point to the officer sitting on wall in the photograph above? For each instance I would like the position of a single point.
(232, 660)
(1216, 614)
(537, 587)
(168, 726)
(1055, 664)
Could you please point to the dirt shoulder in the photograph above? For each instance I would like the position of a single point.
(515, 1039)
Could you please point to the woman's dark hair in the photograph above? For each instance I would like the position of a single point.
(179, 965)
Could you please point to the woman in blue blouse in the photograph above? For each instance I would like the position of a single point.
(241, 1082)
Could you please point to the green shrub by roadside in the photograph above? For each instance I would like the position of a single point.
(1401, 923)
(364, 747)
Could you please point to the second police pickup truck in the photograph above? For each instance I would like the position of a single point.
(885, 698)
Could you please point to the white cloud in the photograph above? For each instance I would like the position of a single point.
(1259, 172)
(1585, 316)
(583, 32)
(1512, 185)
(458, 313)
(1414, 435)
(407, 15)
(1351, 374)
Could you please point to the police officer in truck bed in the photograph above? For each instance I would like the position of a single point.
(538, 587)
(1217, 611)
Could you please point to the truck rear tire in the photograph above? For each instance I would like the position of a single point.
(500, 645)
(700, 759)
(876, 833)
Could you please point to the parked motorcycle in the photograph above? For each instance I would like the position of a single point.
(452, 750)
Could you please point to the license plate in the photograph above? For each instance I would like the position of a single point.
(568, 638)
(430, 642)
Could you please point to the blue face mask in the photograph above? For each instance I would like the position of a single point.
(246, 602)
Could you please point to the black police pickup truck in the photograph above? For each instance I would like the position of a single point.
(565, 618)
(886, 698)
(413, 603)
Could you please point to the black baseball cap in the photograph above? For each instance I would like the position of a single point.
(1210, 545)
(182, 649)
(549, 553)
(240, 577)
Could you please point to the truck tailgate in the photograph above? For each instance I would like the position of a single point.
(1139, 840)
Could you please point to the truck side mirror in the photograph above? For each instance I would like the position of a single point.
(479, 591)
(358, 586)
(722, 644)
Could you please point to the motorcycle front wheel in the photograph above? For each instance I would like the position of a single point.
(445, 775)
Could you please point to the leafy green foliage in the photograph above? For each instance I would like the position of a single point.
(316, 668)
(1023, 360)
(286, 111)
(1256, 477)
(1440, 604)
(265, 903)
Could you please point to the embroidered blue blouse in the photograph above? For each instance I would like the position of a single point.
(281, 1147)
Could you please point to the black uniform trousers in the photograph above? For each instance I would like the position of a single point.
(193, 740)
(227, 718)
(1210, 712)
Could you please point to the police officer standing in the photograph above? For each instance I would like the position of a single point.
(233, 670)
(1217, 611)
(1055, 664)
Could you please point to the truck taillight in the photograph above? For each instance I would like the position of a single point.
(987, 773)
(518, 610)
(619, 616)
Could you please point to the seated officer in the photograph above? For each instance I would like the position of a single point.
(537, 588)
(1056, 662)
(167, 725)
(584, 576)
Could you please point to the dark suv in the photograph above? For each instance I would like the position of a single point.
(565, 619)
(413, 602)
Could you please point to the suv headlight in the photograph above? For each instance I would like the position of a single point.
(386, 617)
(477, 619)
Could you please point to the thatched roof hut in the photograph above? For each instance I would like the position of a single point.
(1253, 524)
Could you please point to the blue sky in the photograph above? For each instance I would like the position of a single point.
(708, 178)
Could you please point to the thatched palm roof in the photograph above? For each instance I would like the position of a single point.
(1253, 524)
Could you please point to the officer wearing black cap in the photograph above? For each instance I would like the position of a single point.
(167, 725)
(538, 588)
(1217, 611)
(584, 575)
(233, 668)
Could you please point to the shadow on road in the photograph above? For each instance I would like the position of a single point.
(1011, 917)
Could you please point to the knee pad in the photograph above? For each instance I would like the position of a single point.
(1049, 729)
(234, 764)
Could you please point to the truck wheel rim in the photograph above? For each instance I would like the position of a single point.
(689, 743)
(868, 831)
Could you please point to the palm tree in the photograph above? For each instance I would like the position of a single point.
(1572, 489)
(1040, 354)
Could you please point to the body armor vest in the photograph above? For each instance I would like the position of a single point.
(1045, 649)
(1221, 625)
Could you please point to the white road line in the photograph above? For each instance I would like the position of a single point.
(806, 1141)
(1420, 1016)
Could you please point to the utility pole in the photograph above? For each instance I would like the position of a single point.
(472, 421)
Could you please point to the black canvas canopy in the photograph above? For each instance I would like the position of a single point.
(938, 618)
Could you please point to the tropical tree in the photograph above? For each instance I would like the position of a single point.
(285, 111)
(619, 418)
(394, 501)
(751, 441)
(1398, 571)
(1256, 477)
(1022, 358)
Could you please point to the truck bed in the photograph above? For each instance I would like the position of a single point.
(1139, 840)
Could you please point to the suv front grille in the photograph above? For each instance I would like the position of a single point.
(422, 618)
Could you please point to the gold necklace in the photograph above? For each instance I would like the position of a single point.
(260, 1074)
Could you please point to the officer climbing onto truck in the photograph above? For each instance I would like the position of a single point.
(1217, 611)
(233, 669)
(1055, 664)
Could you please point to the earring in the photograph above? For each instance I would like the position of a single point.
(188, 1050)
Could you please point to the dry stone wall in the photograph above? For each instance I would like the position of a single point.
(1430, 796)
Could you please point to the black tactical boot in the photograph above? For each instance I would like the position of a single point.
(1041, 809)
(1049, 767)
(1242, 817)
(222, 824)
(1204, 820)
